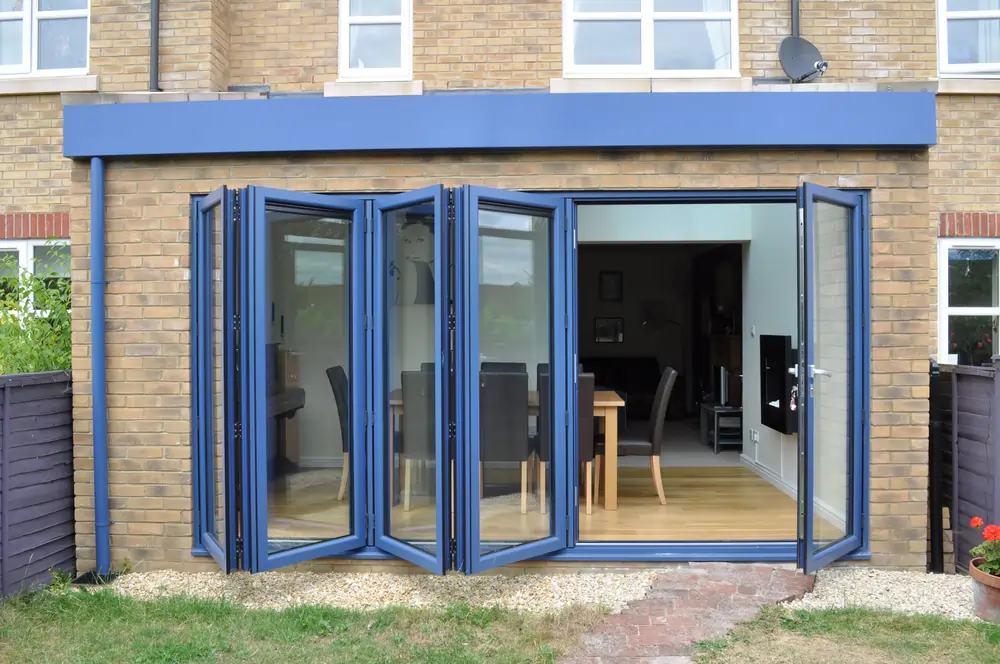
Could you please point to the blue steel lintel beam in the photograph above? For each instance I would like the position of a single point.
(494, 121)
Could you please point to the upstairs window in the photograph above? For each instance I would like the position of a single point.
(650, 38)
(44, 37)
(969, 36)
(376, 40)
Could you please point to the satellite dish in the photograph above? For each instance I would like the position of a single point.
(801, 60)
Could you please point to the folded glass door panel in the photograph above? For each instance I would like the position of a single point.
(515, 396)
(830, 376)
(412, 461)
(305, 434)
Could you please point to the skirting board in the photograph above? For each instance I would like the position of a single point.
(824, 510)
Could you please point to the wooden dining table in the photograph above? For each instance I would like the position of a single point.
(606, 405)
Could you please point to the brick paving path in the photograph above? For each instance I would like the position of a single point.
(685, 605)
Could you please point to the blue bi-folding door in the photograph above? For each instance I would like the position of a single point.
(305, 377)
(214, 245)
(411, 360)
(832, 368)
(513, 383)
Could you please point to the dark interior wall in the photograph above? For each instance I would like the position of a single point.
(656, 302)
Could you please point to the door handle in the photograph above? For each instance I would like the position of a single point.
(818, 372)
(794, 370)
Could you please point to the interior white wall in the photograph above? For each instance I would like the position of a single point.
(659, 222)
(770, 306)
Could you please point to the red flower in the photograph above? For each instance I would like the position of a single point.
(991, 533)
(954, 346)
(977, 522)
(979, 345)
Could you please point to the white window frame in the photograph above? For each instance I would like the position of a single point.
(647, 17)
(26, 254)
(978, 70)
(30, 17)
(402, 73)
(945, 356)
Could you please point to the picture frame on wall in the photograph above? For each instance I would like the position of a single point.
(609, 330)
(609, 286)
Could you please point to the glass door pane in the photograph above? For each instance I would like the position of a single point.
(412, 463)
(306, 318)
(831, 480)
(213, 367)
(515, 358)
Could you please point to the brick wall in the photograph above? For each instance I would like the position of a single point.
(26, 226)
(34, 177)
(519, 44)
(148, 294)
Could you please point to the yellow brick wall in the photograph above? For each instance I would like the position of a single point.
(34, 177)
(966, 161)
(148, 291)
(519, 43)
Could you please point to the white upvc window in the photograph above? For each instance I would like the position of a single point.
(44, 37)
(376, 40)
(968, 300)
(46, 259)
(650, 38)
(969, 37)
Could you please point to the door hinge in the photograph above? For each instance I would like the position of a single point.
(451, 320)
(451, 206)
(237, 207)
(238, 431)
(239, 551)
(452, 553)
(236, 322)
(452, 430)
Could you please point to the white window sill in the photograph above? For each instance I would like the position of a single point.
(720, 84)
(373, 88)
(43, 85)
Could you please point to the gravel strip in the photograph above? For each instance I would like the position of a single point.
(948, 595)
(535, 593)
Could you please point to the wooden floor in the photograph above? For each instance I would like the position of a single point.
(703, 504)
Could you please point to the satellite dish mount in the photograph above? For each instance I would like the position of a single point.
(801, 60)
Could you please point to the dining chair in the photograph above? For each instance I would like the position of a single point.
(503, 424)
(338, 383)
(652, 443)
(505, 367)
(585, 432)
(539, 445)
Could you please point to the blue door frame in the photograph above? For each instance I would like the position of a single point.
(367, 542)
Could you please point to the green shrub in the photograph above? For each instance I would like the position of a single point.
(34, 321)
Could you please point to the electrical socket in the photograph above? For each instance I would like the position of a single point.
(754, 436)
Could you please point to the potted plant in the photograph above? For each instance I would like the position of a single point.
(984, 568)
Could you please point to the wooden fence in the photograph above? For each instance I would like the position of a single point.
(968, 454)
(36, 479)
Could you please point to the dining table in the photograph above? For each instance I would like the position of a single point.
(606, 406)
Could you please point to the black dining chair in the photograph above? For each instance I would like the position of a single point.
(503, 424)
(338, 383)
(585, 433)
(539, 445)
(652, 443)
(417, 427)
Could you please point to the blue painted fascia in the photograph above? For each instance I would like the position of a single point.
(493, 121)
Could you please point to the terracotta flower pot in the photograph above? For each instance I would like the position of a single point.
(985, 592)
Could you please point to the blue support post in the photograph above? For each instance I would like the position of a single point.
(99, 383)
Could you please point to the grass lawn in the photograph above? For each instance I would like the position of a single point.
(99, 626)
(853, 636)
